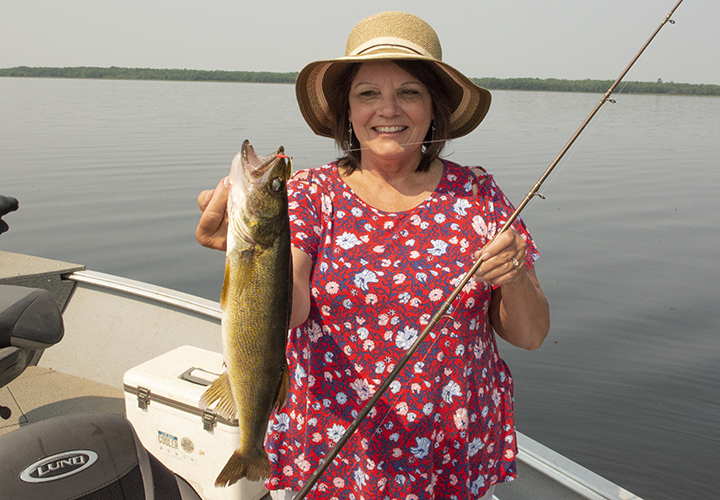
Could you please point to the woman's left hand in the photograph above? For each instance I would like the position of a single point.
(503, 259)
(518, 308)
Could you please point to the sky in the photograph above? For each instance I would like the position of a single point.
(566, 39)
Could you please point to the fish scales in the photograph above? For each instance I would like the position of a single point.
(256, 302)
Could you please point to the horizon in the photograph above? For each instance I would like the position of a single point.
(557, 39)
(625, 80)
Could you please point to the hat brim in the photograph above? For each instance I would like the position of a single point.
(470, 102)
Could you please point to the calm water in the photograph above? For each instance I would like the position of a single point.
(627, 383)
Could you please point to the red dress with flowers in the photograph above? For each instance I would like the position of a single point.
(445, 428)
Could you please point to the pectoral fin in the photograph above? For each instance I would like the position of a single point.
(220, 390)
(242, 263)
(223, 295)
(283, 389)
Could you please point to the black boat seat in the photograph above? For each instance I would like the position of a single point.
(84, 457)
(7, 204)
(30, 321)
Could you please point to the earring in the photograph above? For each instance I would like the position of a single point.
(426, 143)
(350, 135)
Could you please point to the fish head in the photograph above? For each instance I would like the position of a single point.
(257, 202)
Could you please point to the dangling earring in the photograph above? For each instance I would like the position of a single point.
(426, 143)
(350, 135)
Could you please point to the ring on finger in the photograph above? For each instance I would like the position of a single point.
(515, 263)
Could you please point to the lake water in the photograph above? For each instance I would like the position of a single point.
(627, 383)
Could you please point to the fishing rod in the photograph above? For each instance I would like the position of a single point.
(442, 311)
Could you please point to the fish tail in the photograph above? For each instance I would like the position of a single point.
(253, 468)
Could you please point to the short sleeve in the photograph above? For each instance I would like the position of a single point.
(304, 212)
(498, 209)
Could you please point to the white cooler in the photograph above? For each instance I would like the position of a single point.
(161, 401)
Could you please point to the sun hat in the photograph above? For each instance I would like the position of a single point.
(387, 36)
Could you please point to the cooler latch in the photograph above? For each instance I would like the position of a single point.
(143, 397)
(209, 420)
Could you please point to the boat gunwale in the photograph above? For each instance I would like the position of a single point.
(155, 293)
(567, 472)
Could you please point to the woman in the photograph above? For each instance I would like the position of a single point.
(380, 237)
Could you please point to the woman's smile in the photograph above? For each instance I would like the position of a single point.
(389, 130)
(390, 112)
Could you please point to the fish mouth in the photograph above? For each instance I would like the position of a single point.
(257, 165)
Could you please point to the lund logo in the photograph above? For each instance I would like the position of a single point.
(59, 466)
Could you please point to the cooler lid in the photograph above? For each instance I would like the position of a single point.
(177, 378)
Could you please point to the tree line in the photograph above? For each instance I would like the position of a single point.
(528, 84)
(597, 86)
(115, 73)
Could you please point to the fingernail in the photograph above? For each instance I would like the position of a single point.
(226, 182)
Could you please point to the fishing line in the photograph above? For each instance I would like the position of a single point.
(561, 165)
(441, 313)
(404, 144)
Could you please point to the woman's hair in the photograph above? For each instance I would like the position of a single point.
(339, 106)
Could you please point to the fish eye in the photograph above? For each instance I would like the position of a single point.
(276, 184)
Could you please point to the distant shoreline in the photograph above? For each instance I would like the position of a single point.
(185, 75)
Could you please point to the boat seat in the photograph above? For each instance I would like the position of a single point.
(30, 321)
(7, 204)
(85, 457)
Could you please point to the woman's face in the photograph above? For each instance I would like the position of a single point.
(390, 111)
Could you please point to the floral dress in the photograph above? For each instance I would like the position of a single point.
(445, 427)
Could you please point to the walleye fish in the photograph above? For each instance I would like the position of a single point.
(256, 305)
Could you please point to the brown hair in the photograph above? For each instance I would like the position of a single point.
(339, 106)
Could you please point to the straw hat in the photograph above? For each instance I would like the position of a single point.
(390, 35)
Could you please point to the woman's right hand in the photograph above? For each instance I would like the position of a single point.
(211, 231)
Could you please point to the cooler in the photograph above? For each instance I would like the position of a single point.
(161, 401)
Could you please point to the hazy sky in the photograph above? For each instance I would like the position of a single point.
(572, 39)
